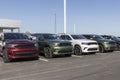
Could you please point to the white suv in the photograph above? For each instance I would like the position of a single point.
(81, 44)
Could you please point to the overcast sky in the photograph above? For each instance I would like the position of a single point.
(89, 16)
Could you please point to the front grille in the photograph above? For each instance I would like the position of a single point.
(64, 51)
(92, 49)
(112, 43)
(65, 44)
(112, 48)
(92, 43)
(25, 53)
(25, 46)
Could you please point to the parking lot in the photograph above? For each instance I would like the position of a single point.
(101, 66)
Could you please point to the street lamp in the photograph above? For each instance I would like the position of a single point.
(64, 16)
(55, 24)
(74, 29)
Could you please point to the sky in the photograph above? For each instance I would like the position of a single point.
(88, 16)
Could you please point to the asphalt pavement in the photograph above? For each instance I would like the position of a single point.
(101, 66)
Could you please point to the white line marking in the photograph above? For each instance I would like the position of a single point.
(18, 77)
(77, 56)
(43, 59)
(101, 53)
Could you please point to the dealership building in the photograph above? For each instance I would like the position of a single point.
(11, 25)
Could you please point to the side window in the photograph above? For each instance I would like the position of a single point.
(65, 37)
(88, 37)
(68, 37)
(62, 37)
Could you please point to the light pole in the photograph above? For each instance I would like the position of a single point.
(64, 16)
(74, 29)
(55, 24)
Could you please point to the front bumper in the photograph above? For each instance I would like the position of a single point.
(62, 50)
(22, 53)
(108, 47)
(88, 49)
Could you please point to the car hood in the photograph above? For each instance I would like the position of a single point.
(57, 41)
(19, 41)
(84, 40)
(117, 41)
(105, 40)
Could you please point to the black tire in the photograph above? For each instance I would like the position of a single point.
(48, 52)
(68, 55)
(77, 50)
(101, 49)
(118, 47)
(93, 52)
(36, 58)
(111, 50)
(6, 58)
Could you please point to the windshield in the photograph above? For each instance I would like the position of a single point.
(78, 37)
(97, 37)
(50, 36)
(15, 36)
(115, 38)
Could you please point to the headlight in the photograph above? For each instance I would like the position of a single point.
(106, 42)
(11, 45)
(55, 44)
(36, 45)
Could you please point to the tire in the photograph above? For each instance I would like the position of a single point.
(36, 58)
(101, 49)
(118, 47)
(77, 50)
(93, 52)
(48, 52)
(111, 51)
(68, 55)
(6, 58)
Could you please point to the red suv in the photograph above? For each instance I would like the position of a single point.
(17, 45)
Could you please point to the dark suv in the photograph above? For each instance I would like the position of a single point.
(114, 38)
(104, 44)
(51, 45)
(17, 45)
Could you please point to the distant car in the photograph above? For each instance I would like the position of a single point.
(114, 38)
(81, 44)
(104, 45)
(51, 45)
(118, 37)
(17, 45)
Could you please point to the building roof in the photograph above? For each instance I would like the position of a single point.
(6, 23)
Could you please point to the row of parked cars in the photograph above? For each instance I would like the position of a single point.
(20, 45)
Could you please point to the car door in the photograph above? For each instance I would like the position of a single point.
(41, 43)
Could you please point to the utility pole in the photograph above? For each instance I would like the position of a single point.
(64, 16)
(74, 29)
(55, 24)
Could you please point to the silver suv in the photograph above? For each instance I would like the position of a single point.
(81, 44)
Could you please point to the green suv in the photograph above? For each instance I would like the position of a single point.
(104, 44)
(50, 45)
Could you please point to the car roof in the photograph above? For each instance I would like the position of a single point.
(12, 33)
(42, 33)
(89, 34)
(68, 34)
